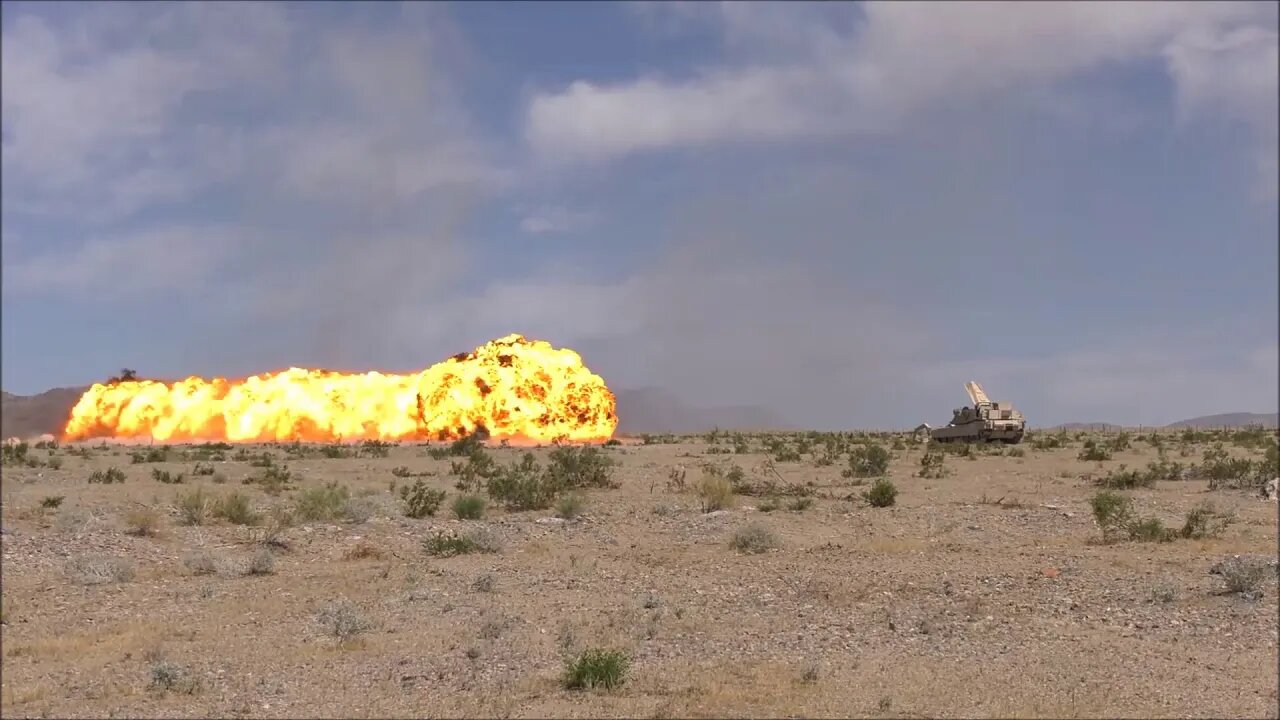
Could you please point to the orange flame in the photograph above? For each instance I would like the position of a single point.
(511, 387)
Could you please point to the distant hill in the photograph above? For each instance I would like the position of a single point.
(639, 411)
(655, 411)
(28, 416)
(1106, 427)
(1240, 419)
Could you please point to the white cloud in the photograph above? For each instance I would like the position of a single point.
(179, 258)
(902, 58)
(554, 219)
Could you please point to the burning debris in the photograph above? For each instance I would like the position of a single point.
(509, 388)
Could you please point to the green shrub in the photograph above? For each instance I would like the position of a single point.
(1112, 511)
(468, 507)
(867, 461)
(596, 668)
(1093, 451)
(569, 506)
(448, 544)
(195, 507)
(236, 509)
(933, 465)
(420, 500)
(580, 467)
(52, 501)
(754, 539)
(107, 477)
(523, 485)
(326, 503)
(164, 476)
(882, 493)
(1204, 521)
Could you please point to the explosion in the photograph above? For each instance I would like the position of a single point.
(510, 388)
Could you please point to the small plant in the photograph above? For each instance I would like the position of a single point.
(150, 455)
(343, 620)
(1204, 521)
(236, 509)
(52, 501)
(579, 467)
(202, 469)
(142, 522)
(448, 544)
(326, 503)
(595, 668)
(1094, 451)
(714, 491)
(769, 504)
(569, 506)
(107, 477)
(402, 471)
(867, 461)
(167, 676)
(1243, 575)
(1112, 512)
(420, 500)
(524, 485)
(262, 562)
(164, 476)
(1150, 530)
(932, 465)
(201, 562)
(274, 478)
(99, 570)
(468, 507)
(194, 508)
(882, 493)
(1126, 479)
(754, 538)
(800, 504)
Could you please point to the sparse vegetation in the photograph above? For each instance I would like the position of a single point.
(468, 507)
(881, 494)
(448, 544)
(867, 461)
(99, 570)
(164, 476)
(754, 538)
(596, 668)
(933, 465)
(326, 503)
(236, 508)
(1094, 451)
(142, 521)
(569, 506)
(107, 477)
(343, 620)
(421, 500)
(715, 492)
(195, 507)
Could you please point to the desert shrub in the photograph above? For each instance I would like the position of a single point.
(1204, 521)
(1149, 530)
(580, 467)
(420, 500)
(468, 507)
(262, 562)
(714, 491)
(1121, 441)
(236, 509)
(194, 507)
(596, 668)
(448, 544)
(375, 448)
(363, 550)
(569, 506)
(1125, 479)
(142, 521)
(402, 471)
(201, 469)
(166, 477)
(740, 444)
(932, 465)
(800, 504)
(882, 493)
(754, 538)
(1094, 451)
(98, 570)
(270, 531)
(1243, 574)
(1046, 442)
(769, 504)
(523, 485)
(150, 455)
(466, 446)
(343, 620)
(471, 474)
(201, 562)
(53, 463)
(274, 478)
(107, 477)
(335, 451)
(1112, 512)
(867, 461)
(167, 676)
(52, 501)
(325, 503)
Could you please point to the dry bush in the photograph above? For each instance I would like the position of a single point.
(98, 570)
(714, 491)
(754, 538)
(142, 521)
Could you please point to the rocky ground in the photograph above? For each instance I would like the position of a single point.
(984, 592)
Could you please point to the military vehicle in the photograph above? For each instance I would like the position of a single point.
(986, 421)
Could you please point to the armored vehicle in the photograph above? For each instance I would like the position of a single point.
(986, 421)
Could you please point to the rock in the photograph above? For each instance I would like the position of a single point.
(1051, 572)
(550, 521)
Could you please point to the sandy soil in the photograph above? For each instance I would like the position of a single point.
(983, 593)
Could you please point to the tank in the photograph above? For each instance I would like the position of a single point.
(986, 421)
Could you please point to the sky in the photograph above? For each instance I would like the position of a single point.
(841, 211)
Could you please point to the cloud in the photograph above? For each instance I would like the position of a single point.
(898, 60)
(341, 143)
(554, 220)
(180, 259)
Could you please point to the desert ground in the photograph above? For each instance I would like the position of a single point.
(288, 580)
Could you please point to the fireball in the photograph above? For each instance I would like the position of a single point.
(510, 388)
